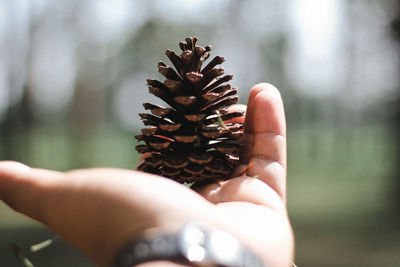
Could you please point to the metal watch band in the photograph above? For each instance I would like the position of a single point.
(163, 247)
(192, 245)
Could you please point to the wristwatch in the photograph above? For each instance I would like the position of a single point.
(193, 245)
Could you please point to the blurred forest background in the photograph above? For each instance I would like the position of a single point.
(73, 78)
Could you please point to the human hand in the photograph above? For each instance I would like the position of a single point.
(99, 210)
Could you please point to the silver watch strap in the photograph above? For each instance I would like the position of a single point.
(192, 245)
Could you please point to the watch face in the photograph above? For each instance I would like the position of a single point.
(224, 248)
(192, 241)
(215, 248)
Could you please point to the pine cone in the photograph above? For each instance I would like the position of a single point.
(189, 141)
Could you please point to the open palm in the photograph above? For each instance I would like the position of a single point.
(99, 210)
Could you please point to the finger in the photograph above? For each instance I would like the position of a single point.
(21, 187)
(250, 111)
(264, 151)
(248, 124)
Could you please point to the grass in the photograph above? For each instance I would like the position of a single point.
(339, 181)
(339, 198)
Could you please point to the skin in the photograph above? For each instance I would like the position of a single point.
(99, 210)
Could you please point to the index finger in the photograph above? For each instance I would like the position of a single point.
(264, 151)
